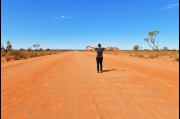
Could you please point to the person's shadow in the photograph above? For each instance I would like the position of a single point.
(108, 70)
(112, 70)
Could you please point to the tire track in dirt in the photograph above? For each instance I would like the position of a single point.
(110, 96)
(24, 65)
(148, 81)
(155, 72)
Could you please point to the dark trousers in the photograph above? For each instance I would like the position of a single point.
(99, 61)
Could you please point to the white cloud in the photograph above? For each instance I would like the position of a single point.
(170, 6)
(61, 17)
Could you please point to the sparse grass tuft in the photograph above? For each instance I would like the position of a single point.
(170, 56)
(8, 57)
(152, 56)
(130, 55)
(139, 55)
(176, 58)
(2, 53)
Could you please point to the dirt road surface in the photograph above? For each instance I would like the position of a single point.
(67, 86)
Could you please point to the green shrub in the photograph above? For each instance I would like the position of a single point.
(136, 47)
(165, 48)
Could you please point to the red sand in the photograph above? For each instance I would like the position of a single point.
(67, 86)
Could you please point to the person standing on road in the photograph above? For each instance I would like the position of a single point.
(99, 57)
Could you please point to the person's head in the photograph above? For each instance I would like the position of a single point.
(99, 45)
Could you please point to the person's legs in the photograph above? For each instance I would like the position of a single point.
(97, 61)
(101, 66)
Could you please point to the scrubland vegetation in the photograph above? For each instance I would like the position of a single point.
(150, 54)
(8, 54)
(146, 53)
(25, 54)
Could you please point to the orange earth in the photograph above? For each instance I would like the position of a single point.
(67, 86)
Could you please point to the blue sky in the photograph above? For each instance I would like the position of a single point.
(74, 24)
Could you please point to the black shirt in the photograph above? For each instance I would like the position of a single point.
(99, 52)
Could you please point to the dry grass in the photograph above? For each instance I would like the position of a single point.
(2, 54)
(112, 52)
(147, 54)
(18, 55)
(139, 55)
(176, 58)
(151, 54)
(155, 55)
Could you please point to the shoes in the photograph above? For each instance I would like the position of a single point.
(99, 72)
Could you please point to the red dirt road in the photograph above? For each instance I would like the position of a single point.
(67, 86)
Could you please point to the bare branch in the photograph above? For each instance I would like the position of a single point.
(152, 35)
(151, 46)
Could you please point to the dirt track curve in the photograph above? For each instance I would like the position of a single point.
(67, 86)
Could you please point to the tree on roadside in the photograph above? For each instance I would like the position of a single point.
(9, 46)
(29, 49)
(41, 49)
(165, 48)
(22, 49)
(2, 48)
(173, 49)
(136, 47)
(153, 42)
(146, 49)
(36, 46)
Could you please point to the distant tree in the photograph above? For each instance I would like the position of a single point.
(146, 49)
(116, 48)
(87, 47)
(153, 39)
(2, 48)
(9, 46)
(140, 48)
(165, 48)
(41, 49)
(136, 47)
(36, 46)
(47, 49)
(29, 49)
(110, 48)
(22, 49)
(173, 49)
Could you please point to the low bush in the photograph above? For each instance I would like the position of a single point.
(139, 55)
(152, 56)
(176, 58)
(8, 57)
(3, 53)
(21, 54)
